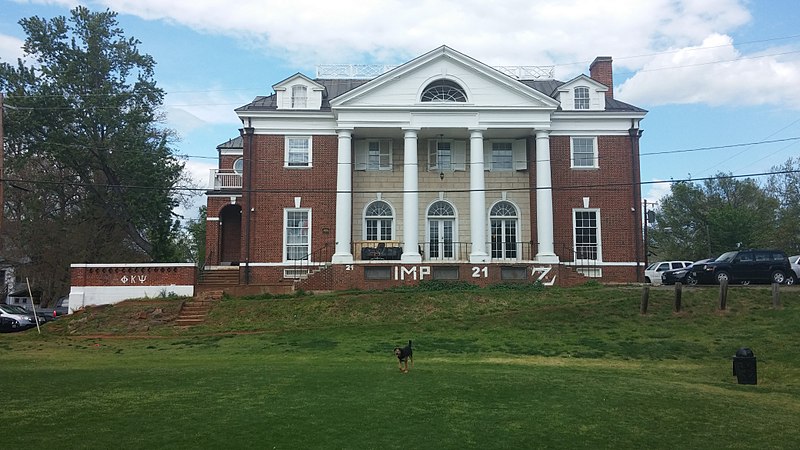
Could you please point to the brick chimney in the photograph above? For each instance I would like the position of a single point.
(600, 70)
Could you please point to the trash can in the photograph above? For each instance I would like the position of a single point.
(744, 366)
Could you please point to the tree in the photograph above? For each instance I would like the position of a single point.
(784, 186)
(91, 174)
(725, 213)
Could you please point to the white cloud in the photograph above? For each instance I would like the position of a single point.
(715, 73)
(507, 32)
(689, 37)
(188, 110)
(199, 173)
(656, 190)
(10, 49)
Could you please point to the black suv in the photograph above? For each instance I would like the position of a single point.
(745, 266)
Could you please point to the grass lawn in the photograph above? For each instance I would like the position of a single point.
(494, 368)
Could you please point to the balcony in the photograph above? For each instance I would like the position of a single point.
(221, 180)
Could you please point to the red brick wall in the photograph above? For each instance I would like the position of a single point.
(138, 275)
(275, 188)
(609, 188)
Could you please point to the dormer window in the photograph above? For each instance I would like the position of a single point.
(299, 96)
(581, 98)
(443, 91)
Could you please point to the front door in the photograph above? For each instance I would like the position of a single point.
(231, 234)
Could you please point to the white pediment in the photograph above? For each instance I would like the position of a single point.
(483, 86)
(596, 94)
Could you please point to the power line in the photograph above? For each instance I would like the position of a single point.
(13, 182)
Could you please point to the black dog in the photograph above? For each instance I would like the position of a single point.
(404, 355)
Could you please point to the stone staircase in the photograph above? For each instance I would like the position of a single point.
(194, 311)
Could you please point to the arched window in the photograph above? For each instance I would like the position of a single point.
(581, 98)
(378, 222)
(503, 221)
(238, 166)
(441, 230)
(443, 91)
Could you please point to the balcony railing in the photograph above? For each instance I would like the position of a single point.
(225, 179)
(444, 251)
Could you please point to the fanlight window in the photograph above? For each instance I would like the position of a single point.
(503, 209)
(441, 208)
(443, 91)
(379, 209)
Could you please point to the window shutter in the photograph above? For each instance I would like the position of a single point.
(432, 161)
(388, 144)
(487, 155)
(361, 154)
(459, 156)
(520, 154)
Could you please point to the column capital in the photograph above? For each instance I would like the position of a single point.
(480, 130)
(344, 132)
(410, 132)
(541, 133)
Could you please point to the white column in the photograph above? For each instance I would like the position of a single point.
(344, 200)
(544, 199)
(410, 199)
(477, 198)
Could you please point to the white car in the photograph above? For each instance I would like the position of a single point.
(652, 274)
(795, 262)
(24, 317)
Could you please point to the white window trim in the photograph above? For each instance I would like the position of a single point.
(233, 166)
(286, 152)
(599, 236)
(595, 158)
(517, 218)
(575, 98)
(286, 212)
(364, 219)
(455, 242)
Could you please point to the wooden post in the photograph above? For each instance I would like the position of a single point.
(678, 294)
(776, 295)
(723, 295)
(645, 300)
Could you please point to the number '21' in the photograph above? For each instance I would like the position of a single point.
(478, 272)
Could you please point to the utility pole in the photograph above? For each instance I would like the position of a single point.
(2, 171)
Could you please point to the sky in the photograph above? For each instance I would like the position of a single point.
(720, 78)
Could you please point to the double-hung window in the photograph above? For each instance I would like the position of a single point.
(298, 151)
(502, 156)
(587, 234)
(442, 156)
(379, 155)
(299, 96)
(584, 153)
(581, 98)
(297, 238)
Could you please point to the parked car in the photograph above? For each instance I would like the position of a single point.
(794, 261)
(683, 275)
(8, 325)
(746, 266)
(24, 317)
(652, 274)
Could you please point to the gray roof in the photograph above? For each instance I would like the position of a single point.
(337, 87)
(236, 143)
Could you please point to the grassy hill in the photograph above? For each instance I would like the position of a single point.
(513, 367)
